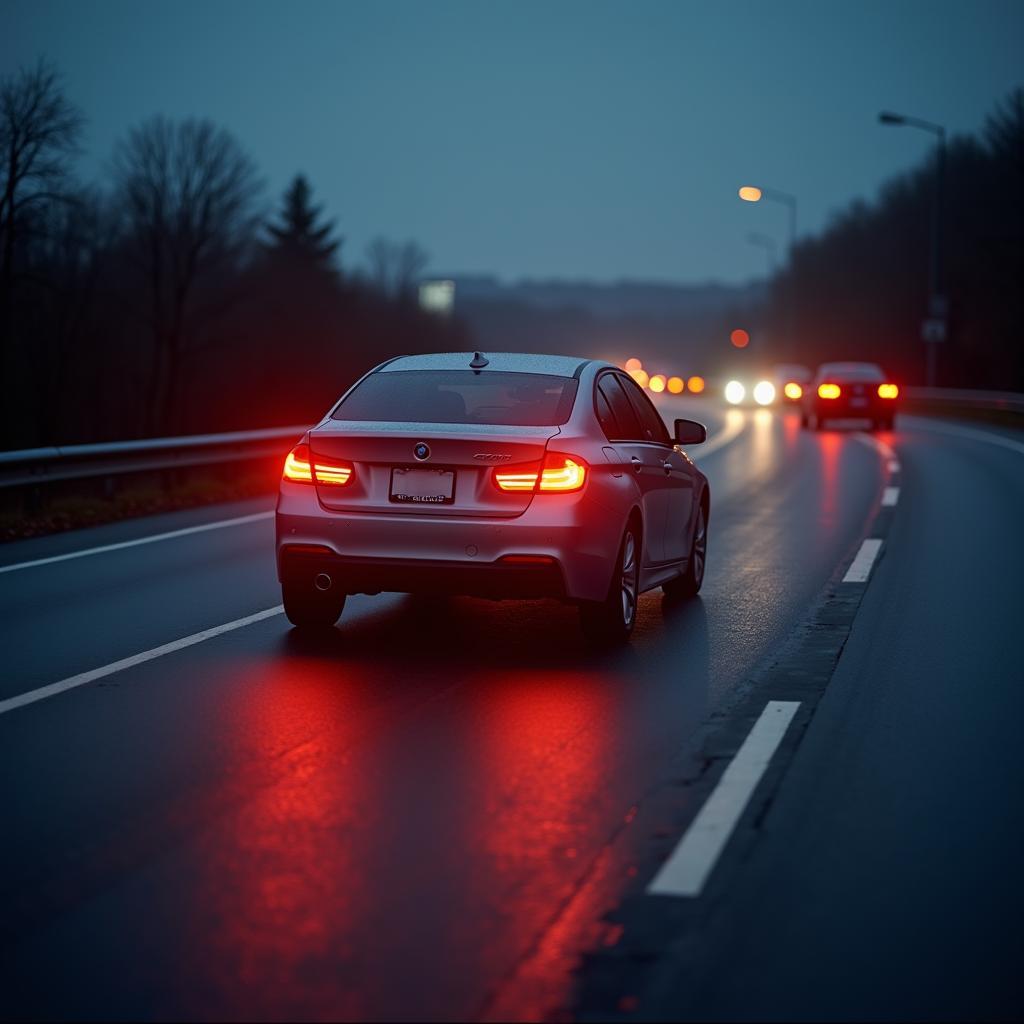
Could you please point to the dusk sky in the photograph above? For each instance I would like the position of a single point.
(571, 140)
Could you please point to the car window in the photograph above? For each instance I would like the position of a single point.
(627, 425)
(850, 371)
(460, 396)
(653, 425)
(605, 415)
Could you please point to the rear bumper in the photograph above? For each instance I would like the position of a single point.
(351, 575)
(374, 552)
(844, 409)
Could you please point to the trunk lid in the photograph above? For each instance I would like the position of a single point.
(471, 453)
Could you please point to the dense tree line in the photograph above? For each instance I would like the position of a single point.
(163, 300)
(860, 289)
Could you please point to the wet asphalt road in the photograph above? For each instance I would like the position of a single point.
(428, 814)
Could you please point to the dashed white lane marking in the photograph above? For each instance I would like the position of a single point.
(890, 496)
(92, 675)
(860, 567)
(219, 525)
(693, 860)
(894, 466)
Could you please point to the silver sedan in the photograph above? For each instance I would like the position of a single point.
(500, 475)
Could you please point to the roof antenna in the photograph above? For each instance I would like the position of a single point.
(479, 362)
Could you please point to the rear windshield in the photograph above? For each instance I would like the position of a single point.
(851, 371)
(460, 396)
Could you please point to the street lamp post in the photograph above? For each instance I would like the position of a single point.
(934, 328)
(754, 194)
(767, 243)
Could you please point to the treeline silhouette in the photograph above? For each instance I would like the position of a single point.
(164, 300)
(860, 289)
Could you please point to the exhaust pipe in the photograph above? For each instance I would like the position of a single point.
(322, 582)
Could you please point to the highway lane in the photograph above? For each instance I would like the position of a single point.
(421, 816)
(884, 881)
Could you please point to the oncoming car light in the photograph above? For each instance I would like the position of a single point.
(559, 474)
(735, 392)
(764, 392)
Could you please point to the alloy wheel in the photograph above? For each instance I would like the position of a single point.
(629, 579)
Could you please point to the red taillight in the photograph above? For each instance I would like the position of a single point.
(297, 468)
(518, 478)
(829, 391)
(335, 474)
(888, 391)
(562, 473)
(793, 391)
(559, 474)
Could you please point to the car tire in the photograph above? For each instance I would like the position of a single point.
(886, 423)
(308, 609)
(610, 622)
(688, 583)
(803, 420)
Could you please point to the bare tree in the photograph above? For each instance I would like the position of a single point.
(39, 131)
(394, 267)
(188, 191)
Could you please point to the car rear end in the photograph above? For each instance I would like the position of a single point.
(854, 391)
(405, 487)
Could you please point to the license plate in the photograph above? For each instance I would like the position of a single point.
(423, 486)
(858, 403)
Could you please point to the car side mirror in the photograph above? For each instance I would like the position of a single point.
(690, 432)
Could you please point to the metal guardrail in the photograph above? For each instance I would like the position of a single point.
(83, 461)
(953, 398)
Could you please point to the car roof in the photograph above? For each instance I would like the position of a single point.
(850, 370)
(507, 362)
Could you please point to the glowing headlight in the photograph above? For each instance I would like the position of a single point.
(764, 392)
(735, 392)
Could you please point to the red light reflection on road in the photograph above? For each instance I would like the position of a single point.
(276, 871)
(544, 748)
(830, 444)
(791, 431)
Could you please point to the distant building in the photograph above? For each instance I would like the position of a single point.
(437, 296)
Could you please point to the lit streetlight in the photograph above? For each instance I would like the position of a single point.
(755, 193)
(934, 329)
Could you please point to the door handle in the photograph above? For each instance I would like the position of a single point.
(667, 466)
(637, 464)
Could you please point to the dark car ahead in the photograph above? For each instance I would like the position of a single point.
(850, 391)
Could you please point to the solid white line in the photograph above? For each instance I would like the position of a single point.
(734, 426)
(860, 567)
(136, 659)
(890, 496)
(692, 861)
(219, 525)
(968, 432)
